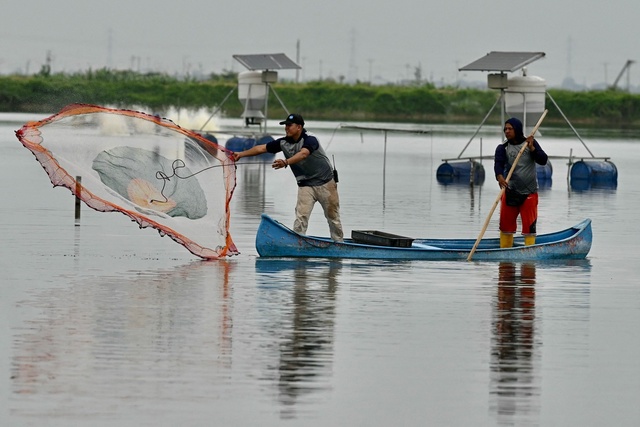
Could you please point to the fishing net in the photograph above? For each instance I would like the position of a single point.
(147, 167)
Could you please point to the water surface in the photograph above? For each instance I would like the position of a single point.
(107, 324)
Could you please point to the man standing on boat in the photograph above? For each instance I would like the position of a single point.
(521, 192)
(312, 169)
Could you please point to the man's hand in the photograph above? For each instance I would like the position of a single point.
(530, 143)
(279, 164)
(502, 182)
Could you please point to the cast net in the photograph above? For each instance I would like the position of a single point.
(145, 166)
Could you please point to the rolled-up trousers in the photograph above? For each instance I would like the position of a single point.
(327, 196)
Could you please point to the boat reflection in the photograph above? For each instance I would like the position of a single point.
(306, 337)
(514, 387)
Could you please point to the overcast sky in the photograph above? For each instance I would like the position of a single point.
(587, 40)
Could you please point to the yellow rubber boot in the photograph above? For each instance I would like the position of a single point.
(506, 240)
(530, 239)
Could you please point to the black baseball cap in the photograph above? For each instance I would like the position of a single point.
(293, 118)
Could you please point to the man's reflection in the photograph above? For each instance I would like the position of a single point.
(306, 344)
(513, 384)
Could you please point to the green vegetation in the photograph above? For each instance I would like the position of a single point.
(326, 100)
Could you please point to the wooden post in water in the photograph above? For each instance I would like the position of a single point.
(473, 171)
(78, 191)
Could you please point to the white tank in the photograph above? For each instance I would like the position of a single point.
(524, 98)
(252, 93)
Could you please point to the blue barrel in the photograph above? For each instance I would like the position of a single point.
(595, 171)
(544, 172)
(239, 143)
(211, 137)
(544, 183)
(586, 185)
(264, 139)
(460, 172)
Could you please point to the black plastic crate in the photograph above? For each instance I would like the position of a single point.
(380, 238)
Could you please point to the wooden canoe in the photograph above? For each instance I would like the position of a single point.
(275, 240)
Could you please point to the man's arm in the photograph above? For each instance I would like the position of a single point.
(253, 151)
(298, 157)
(499, 161)
(539, 156)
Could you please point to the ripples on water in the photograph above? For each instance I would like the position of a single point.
(108, 324)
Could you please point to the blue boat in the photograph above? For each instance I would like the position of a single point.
(275, 240)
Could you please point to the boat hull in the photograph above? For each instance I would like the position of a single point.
(275, 240)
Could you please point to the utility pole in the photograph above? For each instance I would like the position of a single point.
(298, 61)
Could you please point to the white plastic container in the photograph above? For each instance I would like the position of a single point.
(252, 93)
(525, 99)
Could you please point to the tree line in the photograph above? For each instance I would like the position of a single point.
(318, 100)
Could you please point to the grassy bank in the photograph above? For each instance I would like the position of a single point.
(325, 100)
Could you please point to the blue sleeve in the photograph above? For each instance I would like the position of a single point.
(311, 143)
(539, 155)
(500, 160)
(274, 146)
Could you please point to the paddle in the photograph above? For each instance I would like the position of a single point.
(495, 204)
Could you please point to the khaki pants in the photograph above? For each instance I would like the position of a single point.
(327, 196)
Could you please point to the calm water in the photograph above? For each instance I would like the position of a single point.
(106, 324)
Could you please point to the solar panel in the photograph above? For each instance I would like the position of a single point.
(503, 61)
(268, 61)
(386, 129)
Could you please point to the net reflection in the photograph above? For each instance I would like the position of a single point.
(124, 338)
(305, 336)
(514, 387)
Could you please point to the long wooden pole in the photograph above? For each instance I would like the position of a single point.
(495, 204)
